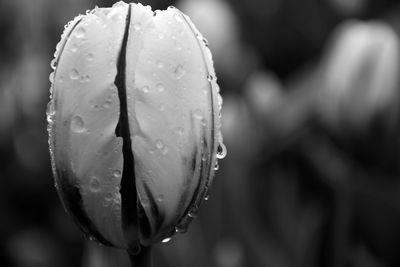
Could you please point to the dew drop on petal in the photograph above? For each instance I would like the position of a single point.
(74, 48)
(216, 166)
(178, 47)
(160, 65)
(107, 103)
(197, 114)
(179, 72)
(145, 202)
(90, 56)
(51, 77)
(80, 32)
(74, 74)
(178, 17)
(159, 144)
(116, 174)
(94, 184)
(192, 214)
(181, 228)
(221, 151)
(50, 111)
(160, 87)
(145, 89)
(181, 131)
(77, 124)
(137, 26)
(166, 240)
(53, 63)
(160, 198)
(164, 150)
(108, 197)
(106, 203)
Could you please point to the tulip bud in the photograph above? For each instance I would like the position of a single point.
(134, 123)
(360, 77)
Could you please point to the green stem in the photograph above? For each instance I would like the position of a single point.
(142, 259)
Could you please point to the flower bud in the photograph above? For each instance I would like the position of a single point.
(360, 77)
(134, 123)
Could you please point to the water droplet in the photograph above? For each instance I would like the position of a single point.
(80, 32)
(116, 174)
(53, 63)
(197, 114)
(159, 144)
(181, 228)
(160, 65)
(221, 151)
(89, 237)
(108, 103)
(117, 199)
(179, 47)
(209, 77)
(160, 35)
(137, 26)
(181, 131)
(74, 74)
(74, 48)
(145, 202)
(51, 77)
(84, 78)
(90, 56)
(95, 106)
(178, 17)
(145, 89)
(203, 122)
(108, 197)
(207, 197)
(166, 240)
(106, 203)
(216, 166)
(164, 150)
(50, 112)
(192, 214)
(94, 185)
(77, 124)
(160, 198)
(179, 72)
(220, 101)
(160, 87)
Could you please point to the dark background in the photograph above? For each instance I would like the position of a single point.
(310, 119)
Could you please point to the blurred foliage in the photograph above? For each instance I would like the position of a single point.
(310, 119)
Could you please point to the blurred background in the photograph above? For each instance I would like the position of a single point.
(311, 120)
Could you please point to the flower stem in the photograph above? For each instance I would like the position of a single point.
(142, 259)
